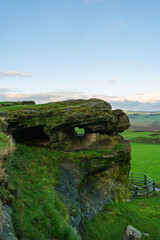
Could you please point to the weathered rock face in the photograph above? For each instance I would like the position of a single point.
(6, 229)
(53, 124)
(90, 180)
(96, 169)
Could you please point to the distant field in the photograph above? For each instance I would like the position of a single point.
(145, 153)
(142, 137)
(145, 120)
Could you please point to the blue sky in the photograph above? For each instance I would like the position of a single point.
(61, 49)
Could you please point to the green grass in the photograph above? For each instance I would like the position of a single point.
(8, 102)
(37, 211)
(4, 141)
(145, 157)
(142, 213)
(146, 160)
(79, 130)
(141, 137)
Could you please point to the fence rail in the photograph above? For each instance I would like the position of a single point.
(141, 185)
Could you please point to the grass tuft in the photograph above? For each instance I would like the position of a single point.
(7, 147)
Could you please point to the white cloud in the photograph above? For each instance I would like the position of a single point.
(119, 23)
(113, 81)
(91, 1)
(42, 97)
(151, 97)
(135, 63)
(103, 63)
(14, 74)
(144, 101)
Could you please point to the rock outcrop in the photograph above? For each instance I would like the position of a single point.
(131, 233)
(6, 226)
(96, 168)
(53, 124)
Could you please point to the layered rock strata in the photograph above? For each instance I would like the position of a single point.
(53, 124)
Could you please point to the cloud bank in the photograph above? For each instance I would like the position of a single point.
(137, 102)
(135, 63)
(113, 81)
(14, 74)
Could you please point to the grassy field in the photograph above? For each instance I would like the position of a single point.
(145, 152)
(141, 137)
(142, 213)
(144, 119)
(146, 160)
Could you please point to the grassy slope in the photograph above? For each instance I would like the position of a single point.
(143, 214)
(37, 211)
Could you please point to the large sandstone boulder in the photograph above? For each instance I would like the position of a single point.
(53, 124)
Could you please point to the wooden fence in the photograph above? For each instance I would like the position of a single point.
(141, 185)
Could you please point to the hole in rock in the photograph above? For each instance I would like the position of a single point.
(33, 136)
(79, 132)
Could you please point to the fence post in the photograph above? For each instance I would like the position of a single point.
(145, 180)
(136, 191)
(153, 185)
(147, 192)
(132, 178)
